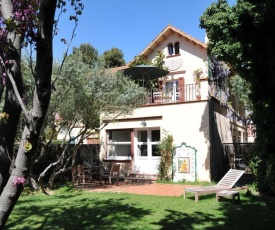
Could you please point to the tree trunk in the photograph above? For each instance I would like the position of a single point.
(8, 134)
(11, 106)
(37, 114)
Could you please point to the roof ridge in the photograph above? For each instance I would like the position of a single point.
(182, 33)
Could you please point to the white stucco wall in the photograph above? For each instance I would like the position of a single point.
(187, 122)
(193, 57)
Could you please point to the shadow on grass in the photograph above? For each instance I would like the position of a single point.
(122, 211)
(83, 214)
(251, 213)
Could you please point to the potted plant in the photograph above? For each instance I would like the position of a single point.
(197, 76)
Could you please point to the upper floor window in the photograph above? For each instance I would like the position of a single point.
(173, 48)
(170, 49)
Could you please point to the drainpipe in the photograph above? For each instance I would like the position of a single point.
(195, 164)
(211, 125)
(211, 138)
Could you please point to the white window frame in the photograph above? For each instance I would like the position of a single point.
(149, 143)
(111, 144)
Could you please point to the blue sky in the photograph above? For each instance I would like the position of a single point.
(130, 25)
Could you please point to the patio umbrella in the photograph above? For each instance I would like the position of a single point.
(145, 72)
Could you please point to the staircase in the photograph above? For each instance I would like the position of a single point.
(141, 178)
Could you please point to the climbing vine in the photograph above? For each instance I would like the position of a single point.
(218, 79)
(165, 149)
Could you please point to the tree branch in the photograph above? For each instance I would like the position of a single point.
(19, 97)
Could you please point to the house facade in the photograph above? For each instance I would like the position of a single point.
(184, 106)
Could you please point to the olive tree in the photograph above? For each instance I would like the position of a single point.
(82, 94)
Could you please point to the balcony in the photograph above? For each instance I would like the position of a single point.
(186, 93)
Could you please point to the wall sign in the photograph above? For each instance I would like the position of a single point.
(184, 163)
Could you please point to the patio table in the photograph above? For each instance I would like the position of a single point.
(95, 172)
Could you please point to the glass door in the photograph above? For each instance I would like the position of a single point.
(170, 90)
(146, 153)
(142, 143)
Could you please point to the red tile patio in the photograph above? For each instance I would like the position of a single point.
(155, 189)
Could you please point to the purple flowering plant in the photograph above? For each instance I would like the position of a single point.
(19, 181)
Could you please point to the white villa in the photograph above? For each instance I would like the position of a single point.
(187, 109)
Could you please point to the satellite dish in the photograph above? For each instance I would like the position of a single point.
(173, 63)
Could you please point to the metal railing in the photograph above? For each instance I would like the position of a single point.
(238, 155)
(189, 92)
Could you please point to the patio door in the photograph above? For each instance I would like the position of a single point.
(146, 154)
(170, 90)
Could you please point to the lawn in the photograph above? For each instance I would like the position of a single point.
(68, 208)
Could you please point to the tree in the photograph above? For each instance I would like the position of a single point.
(241, 88)
(82, 94)
(87, 52)
(23, 22)
(241, 35)
(114, 58)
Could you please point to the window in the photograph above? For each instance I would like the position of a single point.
(170, 49)
(142, 137)
(177, 48)
(147, 141)
(119, 144)
(173, 49)
(155, 141)
(239, 136)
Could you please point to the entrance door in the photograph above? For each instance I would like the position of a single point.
(146, 154)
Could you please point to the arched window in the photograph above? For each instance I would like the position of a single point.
(170, 49)
(177, 48)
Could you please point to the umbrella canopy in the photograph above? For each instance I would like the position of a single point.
(145, 72)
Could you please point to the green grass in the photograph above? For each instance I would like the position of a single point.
(68, 208)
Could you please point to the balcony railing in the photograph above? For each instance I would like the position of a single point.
(189, 92)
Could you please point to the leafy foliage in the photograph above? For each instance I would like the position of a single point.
(218, 79)
(241, 88)
(241, 35)
(85, 92)
(140, 60)
(82, 93)
(87, 53)
(165, 149)
(113, 58)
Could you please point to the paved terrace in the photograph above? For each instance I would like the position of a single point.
(156, 189)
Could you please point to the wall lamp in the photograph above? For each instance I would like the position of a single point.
(143, 123)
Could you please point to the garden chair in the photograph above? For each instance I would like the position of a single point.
(80, 175)
(113, 173)
(226, 183)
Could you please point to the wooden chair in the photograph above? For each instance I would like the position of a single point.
(226, 183)
(80, 175)
(113, 173)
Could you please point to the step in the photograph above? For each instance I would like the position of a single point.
(141, 178)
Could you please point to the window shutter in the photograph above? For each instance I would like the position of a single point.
(177, 48)
(181, 89)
